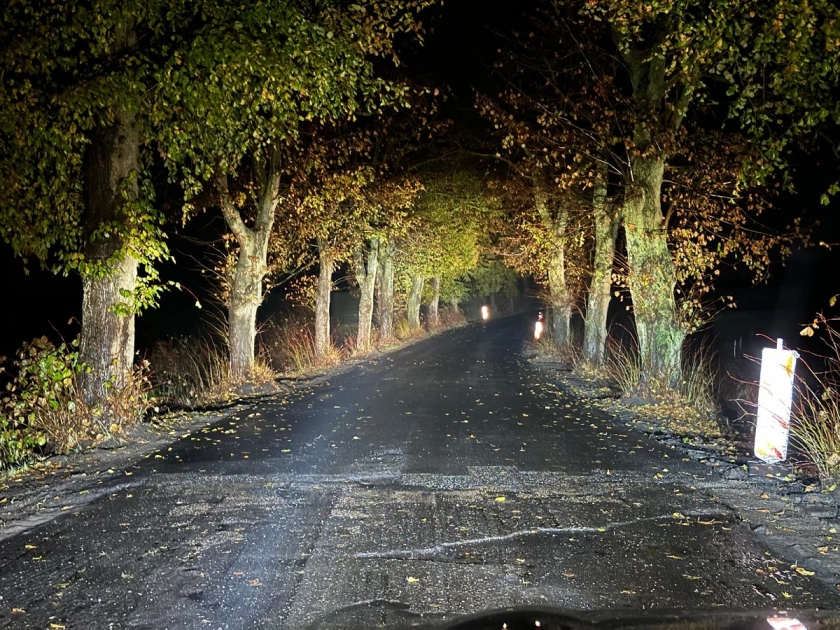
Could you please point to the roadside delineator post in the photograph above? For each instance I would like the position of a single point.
(775, 395)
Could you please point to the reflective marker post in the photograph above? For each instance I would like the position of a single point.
(775, 395)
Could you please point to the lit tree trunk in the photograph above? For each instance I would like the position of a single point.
(415, 297)
(365, 271)
(652, 274)
(386, 292)
(111, 166)
(434, 282)
(322, 301)
(652, 277)
(250, 268)
(555, 224)
(598, 301)
(453, 304)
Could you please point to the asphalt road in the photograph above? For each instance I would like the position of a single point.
(446, 478)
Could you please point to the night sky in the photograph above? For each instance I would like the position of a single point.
(461, 43)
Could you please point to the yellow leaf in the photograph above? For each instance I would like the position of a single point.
(411, 580)
(802, 571)
(499, 499)
(786, 595)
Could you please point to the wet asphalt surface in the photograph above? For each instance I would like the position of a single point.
(446, 478)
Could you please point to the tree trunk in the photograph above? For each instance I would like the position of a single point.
(600, 288)
(322, 301)
(652, 277)
(111, 164)
(453, 304)
(559, 298)
(386, 292)
(652, 274)
(366, 277)
(247, 276)
(434, 303)
(415, 297)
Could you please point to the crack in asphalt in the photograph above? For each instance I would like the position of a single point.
(440, 548)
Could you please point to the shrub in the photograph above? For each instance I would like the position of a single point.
(43, 409)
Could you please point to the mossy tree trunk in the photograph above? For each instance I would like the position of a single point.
(365, 263)
(111, 164)
(600, 288)
(246, 280)
(652, 274)
(652, 277)
(555, 222)
(322, 300)
(386, 291)
(415, 298)
(434, 283)
(110, 169)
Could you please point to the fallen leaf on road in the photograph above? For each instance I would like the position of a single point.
(801, 571)
(411, 580)
(499, 499)
(18, 611)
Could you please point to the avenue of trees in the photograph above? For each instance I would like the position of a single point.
(670, 124)
(660, 130)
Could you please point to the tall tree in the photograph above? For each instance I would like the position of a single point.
(242, 90)
(74, 114)
(778, 62)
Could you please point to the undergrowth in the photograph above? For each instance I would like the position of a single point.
(815, 415)
(43, 410)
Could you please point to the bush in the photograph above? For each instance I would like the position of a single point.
(43, 410)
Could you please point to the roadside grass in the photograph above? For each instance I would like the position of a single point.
(689, 409)
(190, 371)
(815, 415)
(567, 354)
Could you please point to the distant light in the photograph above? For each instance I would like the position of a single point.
(538, 328)
(485, 312)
